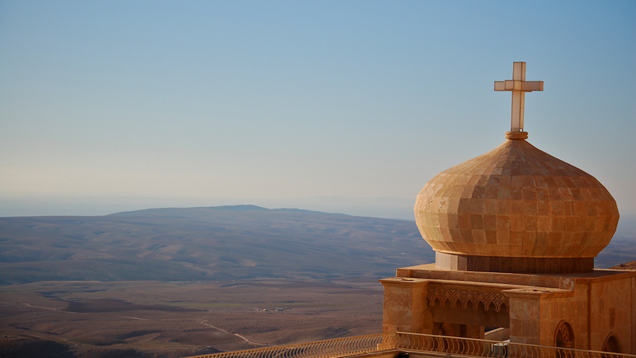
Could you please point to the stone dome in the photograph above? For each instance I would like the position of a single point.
(516, 201)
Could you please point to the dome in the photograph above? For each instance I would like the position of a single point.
(516, 201)
(516, 209)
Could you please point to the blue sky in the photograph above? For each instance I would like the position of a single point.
(294, 103)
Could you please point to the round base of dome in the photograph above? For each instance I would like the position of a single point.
(527, 265)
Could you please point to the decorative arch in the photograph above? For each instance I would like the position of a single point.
(612, 344)
(564, 335)
(564, 338)
(457, 297)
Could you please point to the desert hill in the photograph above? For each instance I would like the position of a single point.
(626, 266)
(175, 282)
(223, 243)
(213, 243)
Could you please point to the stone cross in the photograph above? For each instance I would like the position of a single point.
(519, 86)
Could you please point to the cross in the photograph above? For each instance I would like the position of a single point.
(519, 86)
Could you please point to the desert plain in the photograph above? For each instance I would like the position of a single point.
(173, 319)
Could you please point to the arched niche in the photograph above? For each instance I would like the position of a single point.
(564, 338)
(612, 344)
(564, 335)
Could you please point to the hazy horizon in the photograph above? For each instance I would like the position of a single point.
(386, 208)
(389, 208)
(285, 102)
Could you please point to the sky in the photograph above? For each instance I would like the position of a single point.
(343, 106)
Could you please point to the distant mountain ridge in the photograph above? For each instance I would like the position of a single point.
(221, 243)
(215, 208)
(206, 243)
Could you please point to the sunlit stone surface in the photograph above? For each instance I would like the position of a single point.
(516, 201)
(516, 232)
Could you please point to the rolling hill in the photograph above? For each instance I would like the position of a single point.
(223, 243)
(174, 282)
(214, 243)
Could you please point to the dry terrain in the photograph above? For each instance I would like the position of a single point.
(174, 282)
(162, 319)
(626, 266)
(206, 244)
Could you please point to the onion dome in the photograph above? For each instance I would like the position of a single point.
(516, 209)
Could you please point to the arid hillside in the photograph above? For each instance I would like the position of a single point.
(174, 282)
(224, 243)
(626, 266)
(218, 243)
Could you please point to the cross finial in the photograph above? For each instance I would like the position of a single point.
(519, 86)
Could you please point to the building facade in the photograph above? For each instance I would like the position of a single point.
(515, 232)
